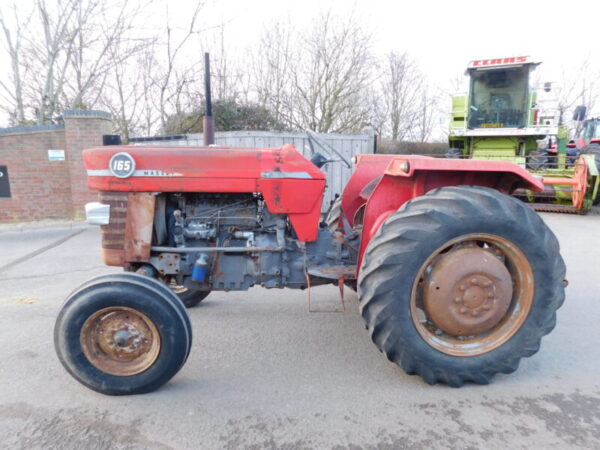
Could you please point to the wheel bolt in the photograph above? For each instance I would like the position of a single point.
(457, 300)
(463, 310)
(491, 295)
(474, 281)
(486, 307)
(475, 313)
(462, 287)
(487, 284)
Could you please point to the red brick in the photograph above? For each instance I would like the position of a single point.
(43, 189)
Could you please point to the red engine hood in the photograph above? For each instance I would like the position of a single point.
(171, 169)
(289, 183)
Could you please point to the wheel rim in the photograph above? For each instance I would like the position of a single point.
(120, 341)
(472, 294)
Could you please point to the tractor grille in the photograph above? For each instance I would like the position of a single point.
(113, 234)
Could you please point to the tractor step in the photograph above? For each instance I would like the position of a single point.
(549, 207)
(333, 272)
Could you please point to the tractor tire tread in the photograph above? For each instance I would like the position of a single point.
(151, 297)
(397, 243)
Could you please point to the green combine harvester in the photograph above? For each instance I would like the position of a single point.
(504, 118)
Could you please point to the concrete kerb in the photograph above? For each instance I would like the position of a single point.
(44, 224)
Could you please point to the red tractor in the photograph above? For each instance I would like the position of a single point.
(457, 280)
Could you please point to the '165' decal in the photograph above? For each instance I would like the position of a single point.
(122, 165)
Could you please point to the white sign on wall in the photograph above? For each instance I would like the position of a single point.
(56, 155)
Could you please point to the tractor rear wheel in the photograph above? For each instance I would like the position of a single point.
(460, 284)
(333, 216)
(122, 334)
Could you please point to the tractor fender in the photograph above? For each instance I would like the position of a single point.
(407, 177)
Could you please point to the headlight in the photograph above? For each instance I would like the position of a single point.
(97, 213)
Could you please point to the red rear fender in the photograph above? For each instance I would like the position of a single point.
(406, 177)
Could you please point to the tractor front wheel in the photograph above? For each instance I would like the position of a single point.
(460, 284)
(122, 334)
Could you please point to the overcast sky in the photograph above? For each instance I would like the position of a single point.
(445, 35)
(442, 36)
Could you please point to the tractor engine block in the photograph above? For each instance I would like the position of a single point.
(232, 240)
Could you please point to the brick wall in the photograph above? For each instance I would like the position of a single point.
(43, 189)
(82, 132)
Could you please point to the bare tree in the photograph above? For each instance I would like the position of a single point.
(566, 95)
(589, 86)
(150, 116)
(173, 46)
(62, 52)
(457, 84)
(401, 87)
(378, 112)
(426, 113)
(13, 93)
(84, 53)
(576, 87)
(328, 77)
(226, 79)
(49, 57)
(102, 43)
(270, 66)
(126, 87)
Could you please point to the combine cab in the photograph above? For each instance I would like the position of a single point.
(503, 118)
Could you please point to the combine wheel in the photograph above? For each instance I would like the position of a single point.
(460, 284)
(538, 160)
(593, 149)
(454, 153)
(122, 334)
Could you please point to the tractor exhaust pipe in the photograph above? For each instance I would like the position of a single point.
(209, 121)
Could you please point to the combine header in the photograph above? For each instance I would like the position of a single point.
(503, 118)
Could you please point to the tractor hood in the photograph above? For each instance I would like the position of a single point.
(288, 182)
(193, 169)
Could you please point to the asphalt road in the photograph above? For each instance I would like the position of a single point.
(265, 373)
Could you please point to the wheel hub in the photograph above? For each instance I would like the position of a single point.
(120, 341)
(467, 292)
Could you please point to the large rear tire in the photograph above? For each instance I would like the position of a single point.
(460, 284)
(122, 334)
(333, 216)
